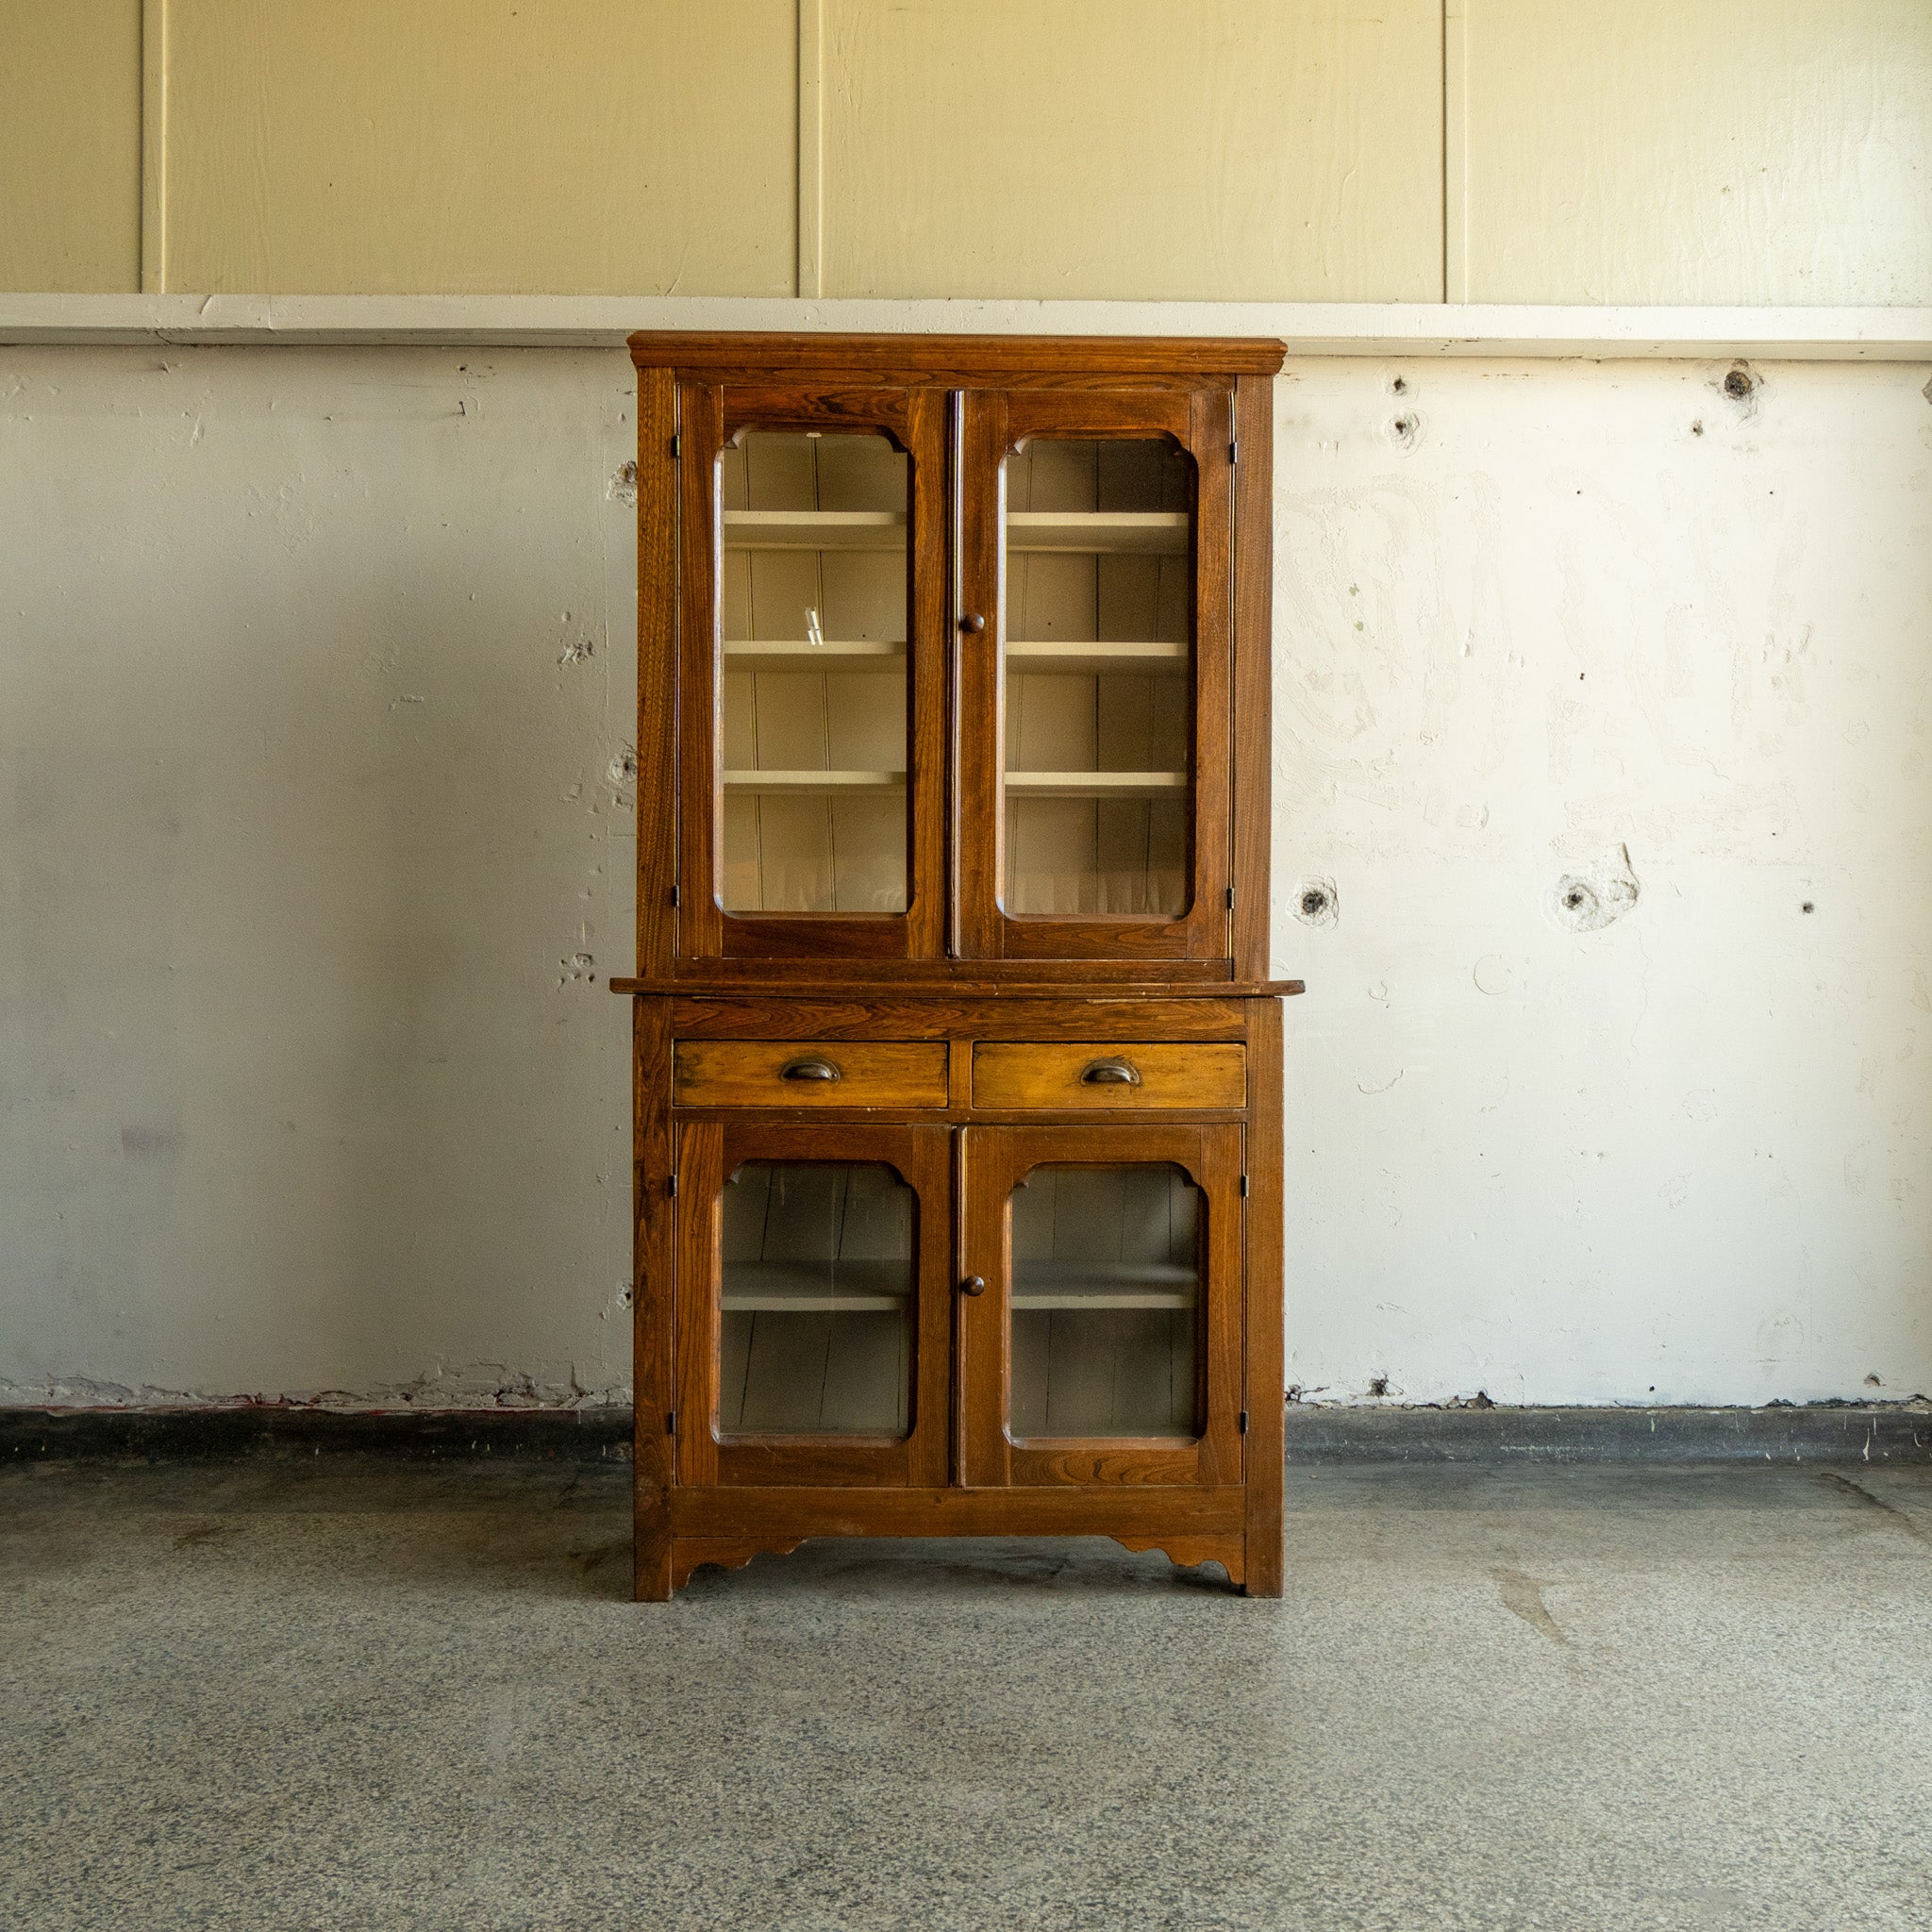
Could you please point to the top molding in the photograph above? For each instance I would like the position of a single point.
(958, 356)
(1383, 330)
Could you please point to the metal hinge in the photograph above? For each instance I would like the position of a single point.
(674, 898)
(1234, 452)
(1245, 1422)
(676, 447)
(671, 1187)
(671, 1422)
(1244, 1186)
(1230, 898)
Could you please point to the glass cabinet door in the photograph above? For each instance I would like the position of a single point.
(812, 740)
(813, 1304)
(1094, 736)
(1107, 1347)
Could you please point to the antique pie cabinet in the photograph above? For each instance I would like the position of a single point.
(959, 1105)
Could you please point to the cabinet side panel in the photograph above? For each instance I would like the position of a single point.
(656, 786)
(652, 1296)
(1265, 1260)
(1253, 672)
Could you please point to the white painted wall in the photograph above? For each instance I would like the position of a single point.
(307, 812)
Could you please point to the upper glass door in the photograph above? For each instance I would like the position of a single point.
(1095, 615)
(812, 677)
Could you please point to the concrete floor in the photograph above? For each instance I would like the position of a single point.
(329, 1696)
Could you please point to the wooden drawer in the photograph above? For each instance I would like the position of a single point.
(1106, 1074)
(753, 1072)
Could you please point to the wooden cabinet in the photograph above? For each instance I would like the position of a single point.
(958, 1069)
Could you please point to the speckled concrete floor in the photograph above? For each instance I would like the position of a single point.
(327, 1695)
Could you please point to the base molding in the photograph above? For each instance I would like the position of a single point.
(232, 1433)
(1818, 1432)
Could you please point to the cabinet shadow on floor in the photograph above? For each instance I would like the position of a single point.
(300, 1525)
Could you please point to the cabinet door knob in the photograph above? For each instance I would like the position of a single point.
(974, 1283)
(973, 621)
(1110, 1074)
(809, 1068)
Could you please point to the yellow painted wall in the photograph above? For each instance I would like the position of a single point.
(1753, 151)
(1133, 148)
(69, 144)
(556, 146)
(1746, 151)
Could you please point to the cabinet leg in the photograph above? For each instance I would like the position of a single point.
(651, 1552)
(1262, 1562)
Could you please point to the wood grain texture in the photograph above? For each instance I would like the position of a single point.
(1191, 1552)
(1031, 1002)
(956, 360)
(750, 1073)
(919, 1156)
(960, 1510)
(955, 984)
(1266, 1254)
(654, 1278)
(1199, 423)
(700, 1175)
(936, 1016)
(1030, 1073)
(716, 417)
(658, 678)
(1000, 1157)
(690, 1553)
(1252, 688)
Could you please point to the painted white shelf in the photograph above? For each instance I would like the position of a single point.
(801, 654)
(760, 1304)
(1167, 661)
(814, 529)
(1101, 1284)
(1112, 532)
(805, 1288)
(1126, 1298)
(807, 782)
(1095, 784)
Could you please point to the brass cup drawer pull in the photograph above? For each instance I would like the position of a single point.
(811, 1068)
(1110, 1074)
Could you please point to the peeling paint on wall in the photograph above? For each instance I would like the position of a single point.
(315, 862)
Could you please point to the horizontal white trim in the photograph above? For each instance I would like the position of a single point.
(1309, 328)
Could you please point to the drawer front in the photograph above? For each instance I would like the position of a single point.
(808, 1073)
(1105, 1074)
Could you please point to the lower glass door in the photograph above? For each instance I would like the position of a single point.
(1112, 1351)
(813, 1304)
(1106, 1302)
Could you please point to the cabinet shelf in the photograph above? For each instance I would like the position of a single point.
(806, 783)
(803, 1288)
(1136, 532)
(1103, 1286)
(814, 529)
(1161, 660)
(800, 654)
(1095, 784)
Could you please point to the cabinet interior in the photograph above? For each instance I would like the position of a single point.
(813, 604)
(1097, 685)
(817, 1282)
(1106, 1302)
